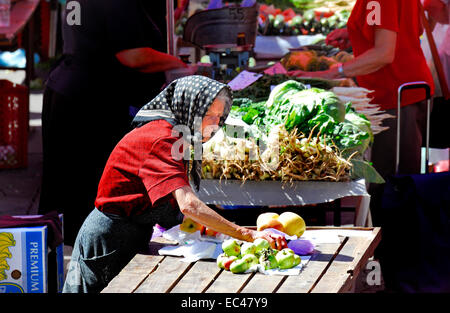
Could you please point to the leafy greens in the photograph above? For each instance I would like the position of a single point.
(293, 105)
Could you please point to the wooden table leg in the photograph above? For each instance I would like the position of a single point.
(362, 213)
(337, 212)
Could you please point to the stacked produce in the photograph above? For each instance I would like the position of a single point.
(314, 110)
(260, 90)
(239, 257)
(288, 157)
(359, 97)
(312, 61)
(333, 5)
(277, 22)
(288, 222)
(307, 61)
(295, 134)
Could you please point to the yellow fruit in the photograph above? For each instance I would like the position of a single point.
(190, 226)
(293, 223)
(268, 220)
(5, 254)
(4, 265)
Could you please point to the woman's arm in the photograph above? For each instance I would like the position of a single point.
(382, 54)
(194, 208)
(148, 60)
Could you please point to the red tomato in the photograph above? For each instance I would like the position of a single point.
(268, 9)
(321, 13)
(288, 14)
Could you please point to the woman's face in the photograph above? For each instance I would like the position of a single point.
(212, 118)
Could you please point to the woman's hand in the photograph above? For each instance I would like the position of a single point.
(339, 38)
(276, 241)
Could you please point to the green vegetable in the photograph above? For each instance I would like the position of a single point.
(278, 23)
(309, 15)
(362, 169)
(282, 91)
(311, 111)
(296, 20)
(356, 134)
(250, 116)
(303, 109)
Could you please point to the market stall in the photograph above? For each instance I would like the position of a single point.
(273, 193)
(332, 268)
(330, 129)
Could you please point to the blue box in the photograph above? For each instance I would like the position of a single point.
(24, 260)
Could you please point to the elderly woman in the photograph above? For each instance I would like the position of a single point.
(145, 182)
(385, 37)
(113, 59)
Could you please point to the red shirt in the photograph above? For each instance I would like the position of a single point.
(402, 17)
(141, 172)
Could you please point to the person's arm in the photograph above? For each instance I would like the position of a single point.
(382, 54)
(339, 38)
(194, 208)
(148, 60)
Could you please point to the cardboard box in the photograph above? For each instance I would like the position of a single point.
(26, 262)
(23, 260)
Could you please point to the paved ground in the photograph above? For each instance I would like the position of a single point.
(19, 189)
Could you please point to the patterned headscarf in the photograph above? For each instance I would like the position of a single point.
(185, 101)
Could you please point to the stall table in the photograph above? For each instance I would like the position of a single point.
(276, 193)
(333, 268)
(22, 18)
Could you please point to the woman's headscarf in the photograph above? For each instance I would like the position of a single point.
(185, 102)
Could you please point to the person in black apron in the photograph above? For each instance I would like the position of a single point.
(113, 60)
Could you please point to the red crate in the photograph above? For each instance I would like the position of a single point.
(14, 111)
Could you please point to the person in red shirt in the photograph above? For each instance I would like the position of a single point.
(145, 182)
(385, 37)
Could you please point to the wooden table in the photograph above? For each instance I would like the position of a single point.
(333, 268)
(22, 18)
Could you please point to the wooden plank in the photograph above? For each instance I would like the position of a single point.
(133, 274)
(337, 274)
(228, 282)
(261, 283)
(199, 277)
(365, 251)
(313, 270)
(149, 272)
(165, 276)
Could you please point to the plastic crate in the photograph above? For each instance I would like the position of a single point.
(14, 108)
